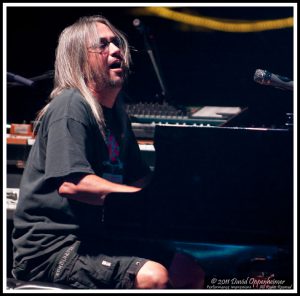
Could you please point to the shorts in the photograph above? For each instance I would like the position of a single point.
(86, 266)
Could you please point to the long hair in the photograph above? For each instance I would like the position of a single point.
(72, 69)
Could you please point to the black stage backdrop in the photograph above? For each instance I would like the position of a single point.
(199, 66)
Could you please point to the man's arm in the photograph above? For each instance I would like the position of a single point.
(91, 189)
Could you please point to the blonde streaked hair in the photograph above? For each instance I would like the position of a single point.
(72, 69)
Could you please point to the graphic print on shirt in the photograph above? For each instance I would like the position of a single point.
(113, 169)
(113, 147)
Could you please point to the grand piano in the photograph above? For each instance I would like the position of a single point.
(222, 194)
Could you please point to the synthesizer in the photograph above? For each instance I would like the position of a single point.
(145, 116)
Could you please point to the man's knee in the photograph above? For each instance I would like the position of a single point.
(152, 275)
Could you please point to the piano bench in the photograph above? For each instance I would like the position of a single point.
(13, 284)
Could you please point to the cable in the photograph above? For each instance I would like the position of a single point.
(220, 25)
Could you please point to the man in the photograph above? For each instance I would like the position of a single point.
(84, 150)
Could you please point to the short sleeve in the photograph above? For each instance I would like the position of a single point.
(68, 149)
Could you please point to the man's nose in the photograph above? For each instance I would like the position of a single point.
(113, 48)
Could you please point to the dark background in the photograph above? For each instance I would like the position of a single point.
(199, 66)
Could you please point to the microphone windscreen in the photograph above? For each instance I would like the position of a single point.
(259, 75)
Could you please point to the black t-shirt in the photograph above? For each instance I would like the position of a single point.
(69, 142)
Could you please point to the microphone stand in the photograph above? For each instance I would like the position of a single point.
(19, 80)
(141, 28)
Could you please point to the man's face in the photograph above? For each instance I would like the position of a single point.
(105, 55)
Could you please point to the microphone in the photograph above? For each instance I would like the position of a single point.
(19, 79)
(265, 77)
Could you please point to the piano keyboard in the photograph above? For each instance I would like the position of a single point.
(147, 147)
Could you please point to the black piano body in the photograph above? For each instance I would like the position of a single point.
(216, 188)
(214, 184)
